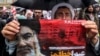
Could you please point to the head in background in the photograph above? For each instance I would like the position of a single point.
(63, 11)
(37, 14)
(90, 8)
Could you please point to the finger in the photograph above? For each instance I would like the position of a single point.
(94, 31)
(16, 22)
(88, 23)
(8, 33)
(11, 29)
(91, 26)
(13, 25)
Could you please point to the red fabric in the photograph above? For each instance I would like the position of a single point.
(13, 10)
(4, 9)
(62, 33)
(61, 38)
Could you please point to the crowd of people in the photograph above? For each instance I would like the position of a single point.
(61, 11)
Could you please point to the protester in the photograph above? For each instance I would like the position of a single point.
(21, 14)
(37, 14)
(65, 11)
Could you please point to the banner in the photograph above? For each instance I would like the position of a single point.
(52, 37)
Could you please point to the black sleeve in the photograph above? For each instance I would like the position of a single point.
(97, 52)
(90, 49)
(2, 40)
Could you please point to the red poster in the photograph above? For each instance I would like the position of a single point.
(58, 37)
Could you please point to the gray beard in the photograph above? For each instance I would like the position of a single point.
(31, 53)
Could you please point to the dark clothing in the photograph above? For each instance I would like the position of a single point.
(7, 54)
(5, 16)
(90, 50)
(2, 43)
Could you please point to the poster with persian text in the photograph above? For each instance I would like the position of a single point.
(51, 38)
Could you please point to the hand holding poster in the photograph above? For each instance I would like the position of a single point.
(52, 38)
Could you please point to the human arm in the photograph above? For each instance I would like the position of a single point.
(92, 35)
(9, 32)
